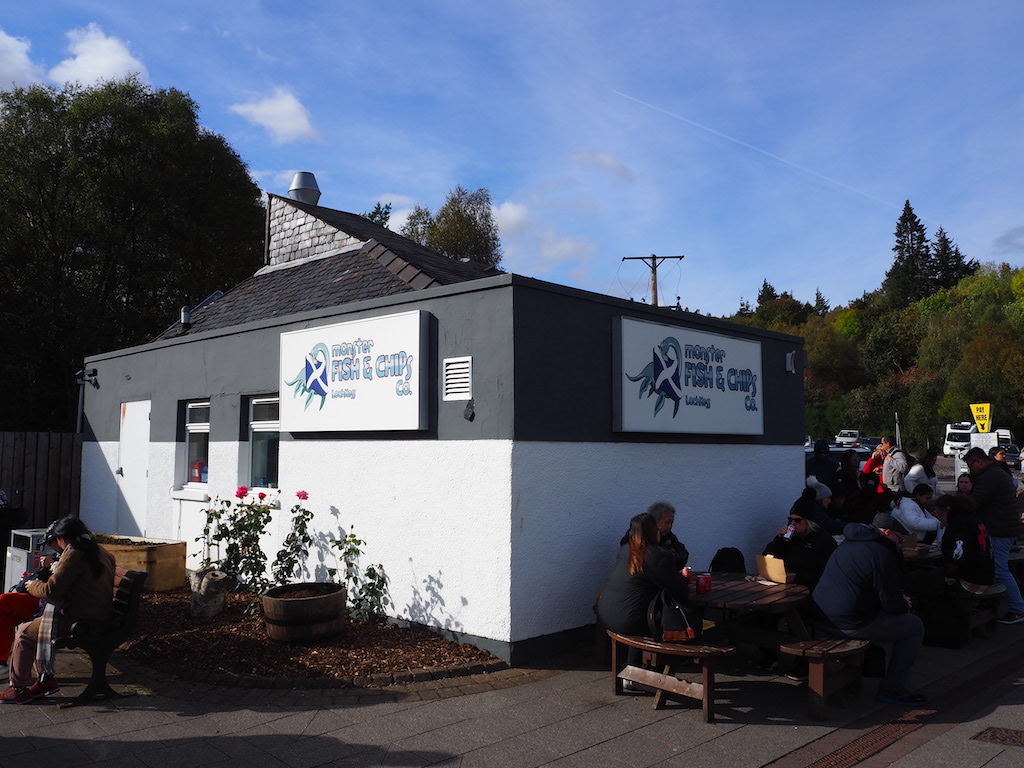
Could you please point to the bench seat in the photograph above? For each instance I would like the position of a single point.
(664, 683)
(818, 653)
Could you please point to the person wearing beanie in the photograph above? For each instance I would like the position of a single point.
(814, 504)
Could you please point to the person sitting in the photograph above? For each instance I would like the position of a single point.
(966, 548)
(665, 516)
(805, 551)
(912, 512)
(814, 504)
(641, 569)
(923, 472)
(82, 584)
(859, 596)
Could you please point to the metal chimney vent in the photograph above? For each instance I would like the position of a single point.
(458, 378)
(304, 188)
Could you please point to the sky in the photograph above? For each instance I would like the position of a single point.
(758, 140)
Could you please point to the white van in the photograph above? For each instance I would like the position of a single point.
(1004, 437)
(958, 437)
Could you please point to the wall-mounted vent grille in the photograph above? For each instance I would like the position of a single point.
(458, 378)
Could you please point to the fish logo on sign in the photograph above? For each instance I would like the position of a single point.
(311, 381)
(662, 376)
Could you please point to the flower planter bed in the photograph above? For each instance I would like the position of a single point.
(162, 559)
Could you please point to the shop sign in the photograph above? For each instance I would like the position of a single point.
(363, 375)
(673, 379)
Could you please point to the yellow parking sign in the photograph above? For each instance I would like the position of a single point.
(981, 413)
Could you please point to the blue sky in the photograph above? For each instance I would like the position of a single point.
(761, 140)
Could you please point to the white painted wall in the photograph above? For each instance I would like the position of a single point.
(484, 537)
(571, 504)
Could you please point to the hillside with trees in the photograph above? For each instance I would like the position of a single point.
(940, 332)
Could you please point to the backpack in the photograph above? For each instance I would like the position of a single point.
(728, 560)
(672, 621)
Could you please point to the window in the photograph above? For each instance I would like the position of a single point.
(264, 441)
(197, 439)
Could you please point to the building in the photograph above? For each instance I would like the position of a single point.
(488, 435)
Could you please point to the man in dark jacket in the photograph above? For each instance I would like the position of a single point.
(996, 501)
(822, 465)
(859, 595)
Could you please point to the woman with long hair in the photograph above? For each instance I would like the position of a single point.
(80, 588)
(641, 569)
(964, 485)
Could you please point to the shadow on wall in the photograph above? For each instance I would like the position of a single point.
(428, 607)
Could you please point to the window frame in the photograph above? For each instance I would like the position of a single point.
(254, 426)
(196, 428)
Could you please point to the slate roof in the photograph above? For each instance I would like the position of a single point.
(386, 264)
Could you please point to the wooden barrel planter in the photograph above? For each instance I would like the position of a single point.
(303, 613)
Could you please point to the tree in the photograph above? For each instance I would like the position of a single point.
(116, 209)
(462, 228)
(767, 293)
(912, 274)
(381, 214)
(950, 265)
(821, 305)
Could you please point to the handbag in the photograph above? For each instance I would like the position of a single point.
(673, 621)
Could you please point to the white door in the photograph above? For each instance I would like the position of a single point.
(133, 468)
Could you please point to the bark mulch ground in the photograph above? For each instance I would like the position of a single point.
(235, 645)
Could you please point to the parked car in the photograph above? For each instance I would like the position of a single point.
(870, 442)
(847, 437)
(1012, 453)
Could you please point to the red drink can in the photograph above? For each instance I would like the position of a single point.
(687, 572)
(703, 583)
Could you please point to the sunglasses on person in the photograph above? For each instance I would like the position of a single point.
(794, 520)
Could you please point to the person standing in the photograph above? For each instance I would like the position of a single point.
(996, 502)
(895, 466)
(923, 472)
(859, 594)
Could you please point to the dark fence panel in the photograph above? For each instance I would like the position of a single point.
(41, 473)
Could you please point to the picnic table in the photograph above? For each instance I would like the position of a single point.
(738, 596)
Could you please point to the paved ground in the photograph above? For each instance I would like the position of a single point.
(560, 715)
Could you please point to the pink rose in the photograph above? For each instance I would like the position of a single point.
(302, 495)
(242, 492)
(262, 495)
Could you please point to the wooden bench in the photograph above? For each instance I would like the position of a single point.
(818, 653)
(99, 638)
(664, 683)
(982, 605)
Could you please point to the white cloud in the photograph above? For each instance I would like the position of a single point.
(534, 247)
(606, 162)
(15, 66)
(281, 113)
(96, 57)
(511, 217)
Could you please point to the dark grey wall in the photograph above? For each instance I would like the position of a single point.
(565, 368)
(548, 347)
(227, 366)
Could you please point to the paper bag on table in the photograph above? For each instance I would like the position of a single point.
(773, 569)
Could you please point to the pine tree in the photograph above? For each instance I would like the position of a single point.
(767, 293)
(821, 305)
(950, 265)
(912, 274)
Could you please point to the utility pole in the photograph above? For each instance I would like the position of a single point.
(652, 262)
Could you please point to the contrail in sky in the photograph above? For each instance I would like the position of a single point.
(764, 152)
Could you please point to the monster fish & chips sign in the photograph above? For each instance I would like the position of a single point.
(356, 376)
(674, 379)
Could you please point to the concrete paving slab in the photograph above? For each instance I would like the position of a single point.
(189, 754)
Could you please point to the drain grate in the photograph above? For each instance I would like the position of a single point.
(1007, 737)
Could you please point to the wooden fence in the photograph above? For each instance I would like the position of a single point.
(42, 474)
